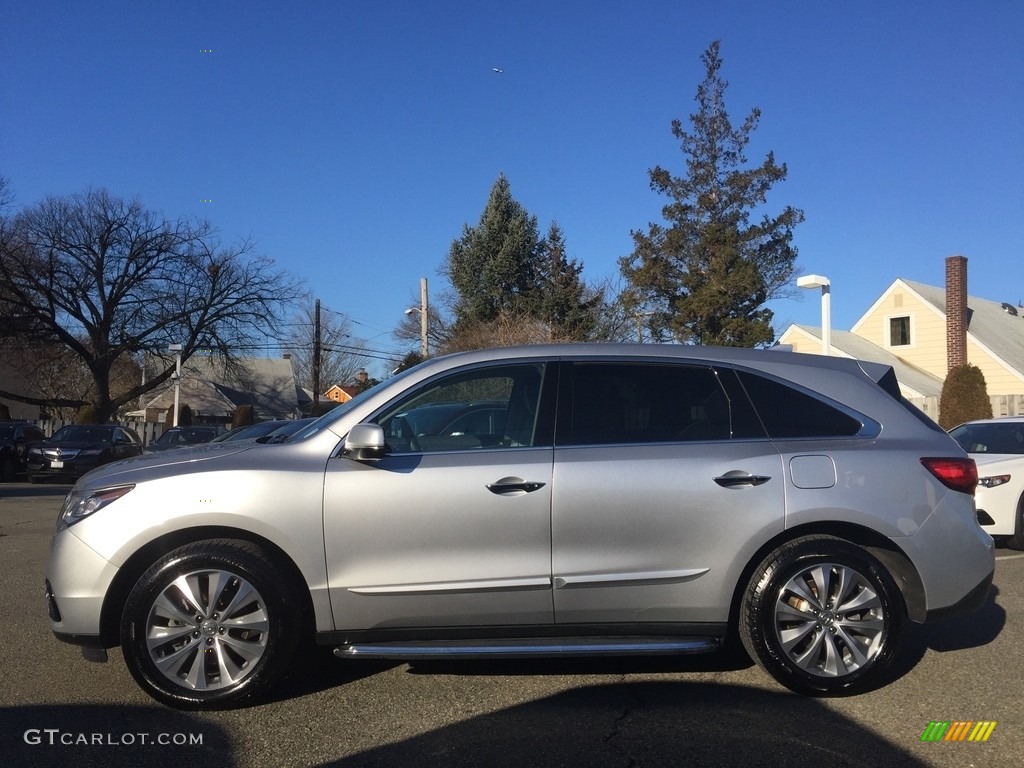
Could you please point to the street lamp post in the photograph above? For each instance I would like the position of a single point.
(817, 281)
(176, 349)
(422, 309)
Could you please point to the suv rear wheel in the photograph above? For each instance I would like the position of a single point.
(823, 616)
(209, 624)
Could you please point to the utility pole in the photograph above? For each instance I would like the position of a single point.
(176, 349)
(316, 361)
(424, 345)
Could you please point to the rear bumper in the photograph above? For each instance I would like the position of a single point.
(971, 602)
(954, 559)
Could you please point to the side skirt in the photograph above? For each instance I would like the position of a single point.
(411, 650)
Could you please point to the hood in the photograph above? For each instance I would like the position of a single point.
(76, 444)
(988, 462)
(161, 463)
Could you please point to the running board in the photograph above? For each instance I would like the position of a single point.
(528, 647)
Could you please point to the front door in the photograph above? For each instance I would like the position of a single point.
(452, 527)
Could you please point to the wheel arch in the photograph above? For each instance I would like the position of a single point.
(129, 573)
(882, 548)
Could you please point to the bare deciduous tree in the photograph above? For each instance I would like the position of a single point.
(109, 280)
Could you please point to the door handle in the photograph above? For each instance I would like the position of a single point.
(513, 487)
(737, 479)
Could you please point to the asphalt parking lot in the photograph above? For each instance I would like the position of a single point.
(57, 709)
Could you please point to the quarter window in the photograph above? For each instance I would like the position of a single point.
(787, 412)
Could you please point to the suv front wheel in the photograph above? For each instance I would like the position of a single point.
(209, 624)
(823, 616)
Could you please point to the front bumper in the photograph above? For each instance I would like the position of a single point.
(77, 582)
(71, 469)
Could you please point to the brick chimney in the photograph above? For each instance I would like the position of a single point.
(956, 311)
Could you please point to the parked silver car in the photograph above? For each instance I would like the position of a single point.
(631, 499)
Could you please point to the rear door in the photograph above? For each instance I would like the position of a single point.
(664, 486)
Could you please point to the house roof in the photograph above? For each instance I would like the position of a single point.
(989, 324)
(210, 388)
(909, 376)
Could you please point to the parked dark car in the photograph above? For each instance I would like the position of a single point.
(182, 437)
(75, 449)
(286, 430)
(16, 437)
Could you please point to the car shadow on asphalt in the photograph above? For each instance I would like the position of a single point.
(973, 631)
(651, 723)
(315, 669)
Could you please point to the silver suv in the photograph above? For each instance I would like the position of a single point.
(619, 500)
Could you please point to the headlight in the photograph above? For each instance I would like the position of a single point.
(81, 504)
(993, 481)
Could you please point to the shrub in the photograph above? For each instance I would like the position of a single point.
(964, 397)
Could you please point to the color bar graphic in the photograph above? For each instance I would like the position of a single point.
(958, 730)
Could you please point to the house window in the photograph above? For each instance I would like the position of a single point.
(899, 331)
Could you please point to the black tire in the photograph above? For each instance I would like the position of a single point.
(34, 478)
(8, 469)
(1017, 540)
(225, 641)
(840, 645)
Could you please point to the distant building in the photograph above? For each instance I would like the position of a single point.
(924, 330)
(213, 391)
(341, 394)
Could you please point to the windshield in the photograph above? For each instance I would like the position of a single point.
(990, 437)
(336, 413)
(6, 433)
(81, 434)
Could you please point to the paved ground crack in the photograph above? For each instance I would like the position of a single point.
(618, 725)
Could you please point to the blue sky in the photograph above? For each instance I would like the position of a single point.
(353, 140)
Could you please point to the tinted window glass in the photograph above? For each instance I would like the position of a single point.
(1005, 437)
(616, 403)
(788, 412)
(483, 408)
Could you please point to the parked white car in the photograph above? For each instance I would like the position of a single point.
(997, 446)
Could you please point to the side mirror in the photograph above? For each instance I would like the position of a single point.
(365, 442)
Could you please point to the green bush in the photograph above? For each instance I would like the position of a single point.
(964, 397)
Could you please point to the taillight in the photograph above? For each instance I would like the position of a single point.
(958, 474)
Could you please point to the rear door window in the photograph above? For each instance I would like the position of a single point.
(618, 403)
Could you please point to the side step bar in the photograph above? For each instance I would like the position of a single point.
(528, 647)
